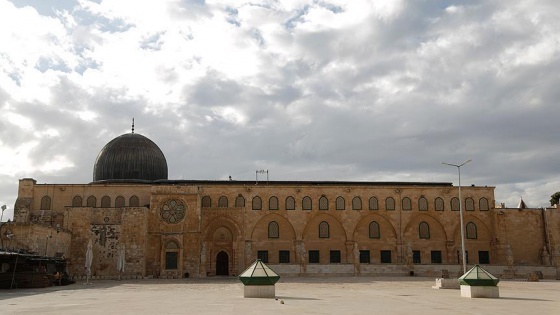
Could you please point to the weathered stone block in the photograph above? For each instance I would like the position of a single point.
(446, 284)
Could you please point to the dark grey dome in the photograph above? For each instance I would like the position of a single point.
(130, 156)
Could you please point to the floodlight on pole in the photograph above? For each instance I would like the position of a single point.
(461, 214)
(2, 216)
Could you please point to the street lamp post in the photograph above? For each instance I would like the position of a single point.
(461, 214)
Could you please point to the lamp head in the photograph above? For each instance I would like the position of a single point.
(3, 207)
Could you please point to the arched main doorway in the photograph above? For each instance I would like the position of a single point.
(222, 264)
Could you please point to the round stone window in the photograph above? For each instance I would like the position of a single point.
(172, 211)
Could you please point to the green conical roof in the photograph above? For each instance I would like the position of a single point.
(259, 274)
(477, 276)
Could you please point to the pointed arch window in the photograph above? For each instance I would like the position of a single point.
(374, 231)
(423, 204)
(483, 204)
(455, 204)
(373, 203)
(257, 203)
(323, 203)
(105, 202)
(119, 202)
(290, 203)
(273, 203)
(273, 230)
(306, 203)
(390, 204)
(440, 205)
(222, 202)
(471, 231)
(206, 202)
(91, 201)
(340, 203)
(469, 204)
(356, 203)
(77, 201)
(424, 230)
(171, 255)
(46, 203)
(240, 202)
(133, 201)
(324, 230)
(406, 204)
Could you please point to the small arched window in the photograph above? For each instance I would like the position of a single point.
(374, 231)
(423, 204)
(240, 202)
(290, 203)
(340, 203)
(455, 204)
(257, 203)
(273, 203)
(390, 203)
(406, 204)
(356, 203)
(77, 201)
(424, 230)
(105, 202)
(471, 231)
(323, 203)
(469, 204)
(222, 202)
(306, 203)
(440, 205)
(133, 202)
(483, 204)
(324, 230)
(91, 201)
(46, 203)
(119, 202)
(373, 204)
(206, 202)
(273, 230)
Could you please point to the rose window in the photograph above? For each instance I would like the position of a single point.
(172, 211)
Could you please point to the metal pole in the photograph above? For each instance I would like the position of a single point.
(463, 251)
(462, 225)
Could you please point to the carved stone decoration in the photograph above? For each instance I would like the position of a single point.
(173, 211)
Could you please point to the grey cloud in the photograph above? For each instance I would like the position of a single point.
(323, 107)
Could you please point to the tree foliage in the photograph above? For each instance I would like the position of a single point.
(555, 198)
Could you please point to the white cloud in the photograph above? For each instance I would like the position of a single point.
(355, 90)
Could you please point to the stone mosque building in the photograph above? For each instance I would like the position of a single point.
(198, 228)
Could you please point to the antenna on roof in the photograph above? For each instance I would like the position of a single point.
(132, 124)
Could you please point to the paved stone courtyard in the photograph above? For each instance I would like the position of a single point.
(327, 295)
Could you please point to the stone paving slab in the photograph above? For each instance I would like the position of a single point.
(327, 295)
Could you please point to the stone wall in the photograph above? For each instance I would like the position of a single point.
(41, 240)
(152, 231)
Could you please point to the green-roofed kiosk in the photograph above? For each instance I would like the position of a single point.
(479, 283)
(259, 281)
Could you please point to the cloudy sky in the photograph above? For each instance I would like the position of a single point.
(309, 90)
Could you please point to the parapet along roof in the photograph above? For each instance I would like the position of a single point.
(477, 276)
(258, 274)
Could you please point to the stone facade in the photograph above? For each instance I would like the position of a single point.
(205, 228)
